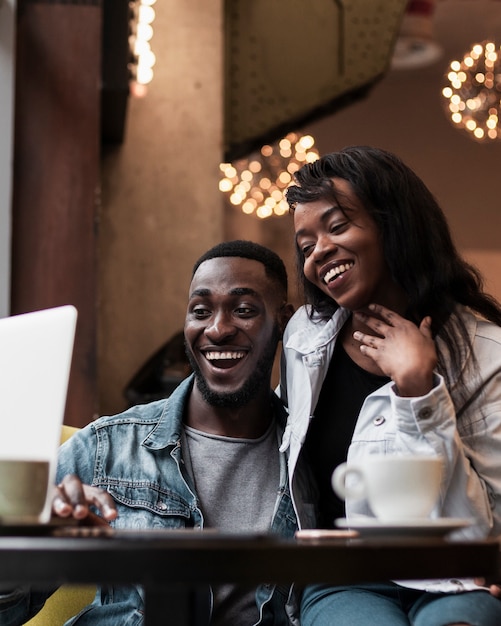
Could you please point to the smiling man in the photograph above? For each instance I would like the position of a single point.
(237, 311)
(208, 456)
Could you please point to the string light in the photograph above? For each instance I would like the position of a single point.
(143, 58)
(257, 184)
(473, 93)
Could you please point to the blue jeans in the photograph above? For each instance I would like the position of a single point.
(389, 604)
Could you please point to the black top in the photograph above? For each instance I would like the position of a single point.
(344, 390)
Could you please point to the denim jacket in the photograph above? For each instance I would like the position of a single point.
(137, 457)
(461, 427)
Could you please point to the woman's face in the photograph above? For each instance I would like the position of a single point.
(342, 251)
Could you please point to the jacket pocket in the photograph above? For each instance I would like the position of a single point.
(145, 505)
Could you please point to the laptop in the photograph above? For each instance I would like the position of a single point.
(35, 359)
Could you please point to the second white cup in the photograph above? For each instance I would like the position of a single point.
(398, 488)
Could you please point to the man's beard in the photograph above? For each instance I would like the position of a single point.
(258, 378)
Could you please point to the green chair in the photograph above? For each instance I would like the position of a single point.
(66, 602)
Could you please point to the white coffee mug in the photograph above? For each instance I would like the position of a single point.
(396, 487)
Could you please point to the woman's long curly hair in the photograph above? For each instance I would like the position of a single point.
(415, 236)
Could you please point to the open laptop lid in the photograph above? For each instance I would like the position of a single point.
(35, 358)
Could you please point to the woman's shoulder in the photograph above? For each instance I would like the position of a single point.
(488, 331)
(480, 328)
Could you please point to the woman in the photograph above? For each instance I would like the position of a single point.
(398, 350)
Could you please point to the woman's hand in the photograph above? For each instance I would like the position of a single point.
(404, 352)
(72, 499)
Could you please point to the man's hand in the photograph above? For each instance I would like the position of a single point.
(493, 587)
(72, 499)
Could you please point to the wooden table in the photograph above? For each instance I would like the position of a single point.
(169, 565)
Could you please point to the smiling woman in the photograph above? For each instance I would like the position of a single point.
(358, 272)
(397, 351)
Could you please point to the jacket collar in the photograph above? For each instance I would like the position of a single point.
(309, 334)
(167, 431)
(314, 333)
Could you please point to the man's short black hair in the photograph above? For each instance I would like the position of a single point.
(273, 264)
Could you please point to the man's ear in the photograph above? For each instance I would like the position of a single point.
(285, 313)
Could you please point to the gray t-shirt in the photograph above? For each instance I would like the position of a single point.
(237, 482)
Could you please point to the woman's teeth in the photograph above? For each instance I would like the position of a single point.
(337, 271)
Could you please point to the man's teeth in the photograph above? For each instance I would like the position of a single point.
(337, 271)
(216, 356)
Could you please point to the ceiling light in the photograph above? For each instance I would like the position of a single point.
(473, 92)
(257, 183)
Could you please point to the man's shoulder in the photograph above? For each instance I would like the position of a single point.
(139, 414)
(149, 413)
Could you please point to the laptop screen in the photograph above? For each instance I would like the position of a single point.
(35, 359)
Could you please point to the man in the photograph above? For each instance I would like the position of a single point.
(153, 466)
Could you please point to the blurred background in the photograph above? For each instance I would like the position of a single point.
(111, 178)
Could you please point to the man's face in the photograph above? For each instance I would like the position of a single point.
(232, 327)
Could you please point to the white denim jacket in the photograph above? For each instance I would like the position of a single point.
(464, 432)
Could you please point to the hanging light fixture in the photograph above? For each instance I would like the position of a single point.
(142, 57)
(473, 92)
(415, 46)
(257, 183)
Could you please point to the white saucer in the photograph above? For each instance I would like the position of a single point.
(369, 526)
